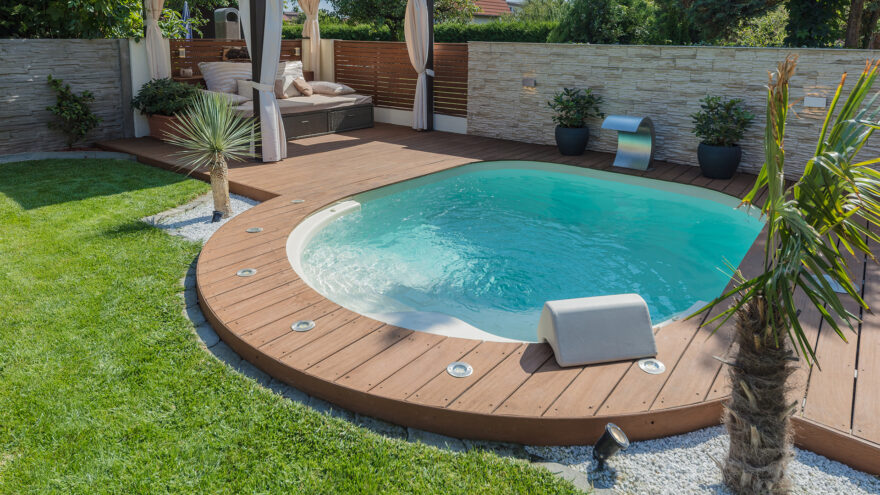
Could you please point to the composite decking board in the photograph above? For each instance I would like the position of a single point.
(830, 391)
(417, 390)
(330, 343)
(289, 341)
(375, 369)
(269, 276)
(637, 390)
(867, 397)
(303, 306)
(415, 374)
(348, 358)
(487, 394)
(222, 282)
(251, 305)
(247, 290)
(588, 390)
(540, 390)
(443, 388)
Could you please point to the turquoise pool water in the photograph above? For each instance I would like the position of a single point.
(490, 243)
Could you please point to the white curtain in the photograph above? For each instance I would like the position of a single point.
(312, 30)
(416, 29)
(271, 128)
(157, 52)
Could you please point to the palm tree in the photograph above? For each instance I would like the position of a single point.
(813, 227)
(213, 134)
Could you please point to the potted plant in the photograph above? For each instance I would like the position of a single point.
(161, 100)
(720, 125)
(212, 134)
(573, 106)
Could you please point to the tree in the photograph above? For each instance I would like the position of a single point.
(814, 22)
(718, 18)
(392, 12)
(604, 21)
(212, 134)
(812, 226)
(542, 10)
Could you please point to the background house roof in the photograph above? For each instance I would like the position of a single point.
(492, 8)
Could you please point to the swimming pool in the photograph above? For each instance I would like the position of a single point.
(476, 251)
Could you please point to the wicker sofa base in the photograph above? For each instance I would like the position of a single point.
(318, 122)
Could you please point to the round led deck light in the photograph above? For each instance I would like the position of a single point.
(246, 272)
(303, 326)
(652, 366)
(254, 230)
(459, 369)
(298, 201)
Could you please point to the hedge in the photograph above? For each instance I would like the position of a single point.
(359, 32)
(528, 32)
(531, 32)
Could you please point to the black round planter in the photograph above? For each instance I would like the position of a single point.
(572, 140)
(719, 162)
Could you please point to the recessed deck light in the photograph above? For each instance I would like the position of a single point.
(652, 366)
(612, 440)
(459, 369)
(254, 230)
(298, 201)
(246, 272)
(303, 326)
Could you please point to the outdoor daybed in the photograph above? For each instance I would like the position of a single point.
(332, 108)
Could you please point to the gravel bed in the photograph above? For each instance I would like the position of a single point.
(193, 220)
(684, 464)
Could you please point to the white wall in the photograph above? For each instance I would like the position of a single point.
(140, 75)
(445, 123)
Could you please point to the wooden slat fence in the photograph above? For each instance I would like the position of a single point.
(210, 50)
(383, 70)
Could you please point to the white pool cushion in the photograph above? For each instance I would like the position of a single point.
(599, 329)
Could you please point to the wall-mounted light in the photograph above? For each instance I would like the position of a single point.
(611, 441)
(181, 52)
(297, 51)
(529, 82)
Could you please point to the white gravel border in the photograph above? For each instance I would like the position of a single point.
(193, 220)
(684, 464)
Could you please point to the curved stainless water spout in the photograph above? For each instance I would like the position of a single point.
(635, 140)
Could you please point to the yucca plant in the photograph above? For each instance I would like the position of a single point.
(814, 226)
(212, 134)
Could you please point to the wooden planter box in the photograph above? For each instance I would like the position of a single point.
(161, 126)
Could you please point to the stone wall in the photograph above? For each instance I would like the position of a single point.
(99, 66)
(663, 83)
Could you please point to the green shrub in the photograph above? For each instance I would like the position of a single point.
(164, 97)
(75, 118)
(605, 21)
(500, 30)
(340, 31)
(721, 123)
(574, 107)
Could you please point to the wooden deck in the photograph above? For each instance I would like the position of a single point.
(517, 392)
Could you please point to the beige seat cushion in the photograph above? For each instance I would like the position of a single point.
(300, 104)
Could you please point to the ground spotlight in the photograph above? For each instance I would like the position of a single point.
(609, 443)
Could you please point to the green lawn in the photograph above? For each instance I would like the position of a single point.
(103, 385)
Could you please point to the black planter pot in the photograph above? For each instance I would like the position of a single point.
(719, 162)
(572, 140)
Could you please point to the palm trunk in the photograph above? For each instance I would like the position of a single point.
(220, 187)
(758, 415)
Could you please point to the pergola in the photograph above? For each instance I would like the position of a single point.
(261, 22)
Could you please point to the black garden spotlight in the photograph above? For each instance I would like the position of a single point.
(612, 440)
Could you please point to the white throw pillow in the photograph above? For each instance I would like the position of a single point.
(291, 68)
(221, 76)
(330, 88)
